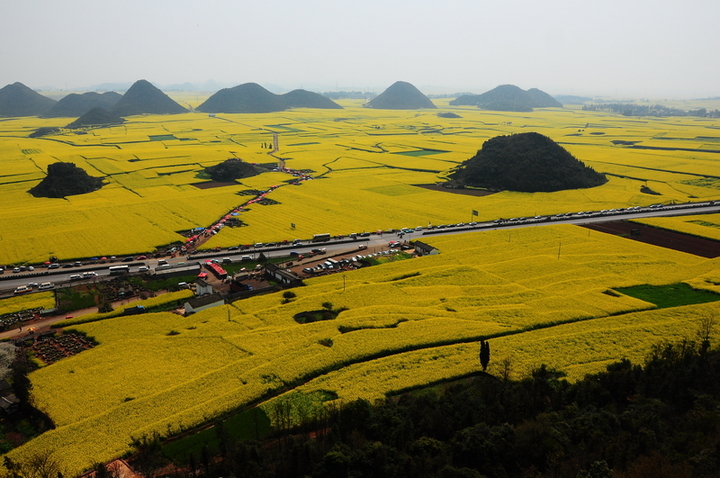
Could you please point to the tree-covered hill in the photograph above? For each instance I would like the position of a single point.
(66, 179)
(96, 116)
(144, 98)
(527, 162)
(509, 98)
(74, 105)
(253, 98)
(19, 100)
(401, 95)
(231, 169)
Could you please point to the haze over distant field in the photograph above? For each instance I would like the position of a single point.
(659, 48)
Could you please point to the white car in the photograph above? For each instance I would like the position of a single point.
(89, 274)
(23, 289)
(46, 286)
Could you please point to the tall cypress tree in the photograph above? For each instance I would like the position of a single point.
(484, 354)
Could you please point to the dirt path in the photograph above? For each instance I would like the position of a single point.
(45, 323)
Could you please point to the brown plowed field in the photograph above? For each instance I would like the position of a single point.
(660, 237)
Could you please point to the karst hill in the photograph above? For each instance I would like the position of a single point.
(97, 116)
(253, 98)
(75, 105)
(65, 179)
(19, 100)
(526, 162)
(509, 98)
(401, 95)
(144, 98)
(231, 169)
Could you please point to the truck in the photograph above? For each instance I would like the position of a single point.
(138, 309)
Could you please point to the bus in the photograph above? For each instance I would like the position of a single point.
(321, 238)
(117, 270)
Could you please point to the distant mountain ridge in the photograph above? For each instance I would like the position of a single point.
(19, 100)
(144, 98)
(74, 105)
(401, 95)
(509, 98)
(253, 98)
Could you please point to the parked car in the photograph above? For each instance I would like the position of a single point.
(54, 265)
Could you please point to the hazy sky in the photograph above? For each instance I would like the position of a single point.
(639, 48)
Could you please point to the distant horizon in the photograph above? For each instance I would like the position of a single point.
(121, 87)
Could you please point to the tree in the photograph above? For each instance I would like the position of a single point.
(327, 305)
(484, 354)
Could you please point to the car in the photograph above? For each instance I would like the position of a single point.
(32, 285)
(16, 270)
(89, 274)
(364, 234)
(245, 258)
(259, 244)
(233, 248)
(2, 270)
(143, 269)
(226, 260)
(67, 266)
(141, 258)
(46, 286)
(394, 243)
(23, 289)
(183, 285)
(78, 264)
(76, 277)
(128, 259)
(318, 250)
(30, 268)
(362, 247)
(53, 265)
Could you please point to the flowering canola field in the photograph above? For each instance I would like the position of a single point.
(366, 164)
(540, 295)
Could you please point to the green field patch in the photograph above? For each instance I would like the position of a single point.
(161, 137)
(671, 295)
(705, 223)
(713, 183)
(253, 424)
(395, 190)
(421, 152)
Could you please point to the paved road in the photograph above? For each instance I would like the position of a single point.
(374, 242)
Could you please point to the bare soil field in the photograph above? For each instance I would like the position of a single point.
(214, 184)
(467, 192)
(660, 237)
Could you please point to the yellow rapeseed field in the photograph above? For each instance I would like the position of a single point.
(406, 324)
(367, 164)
